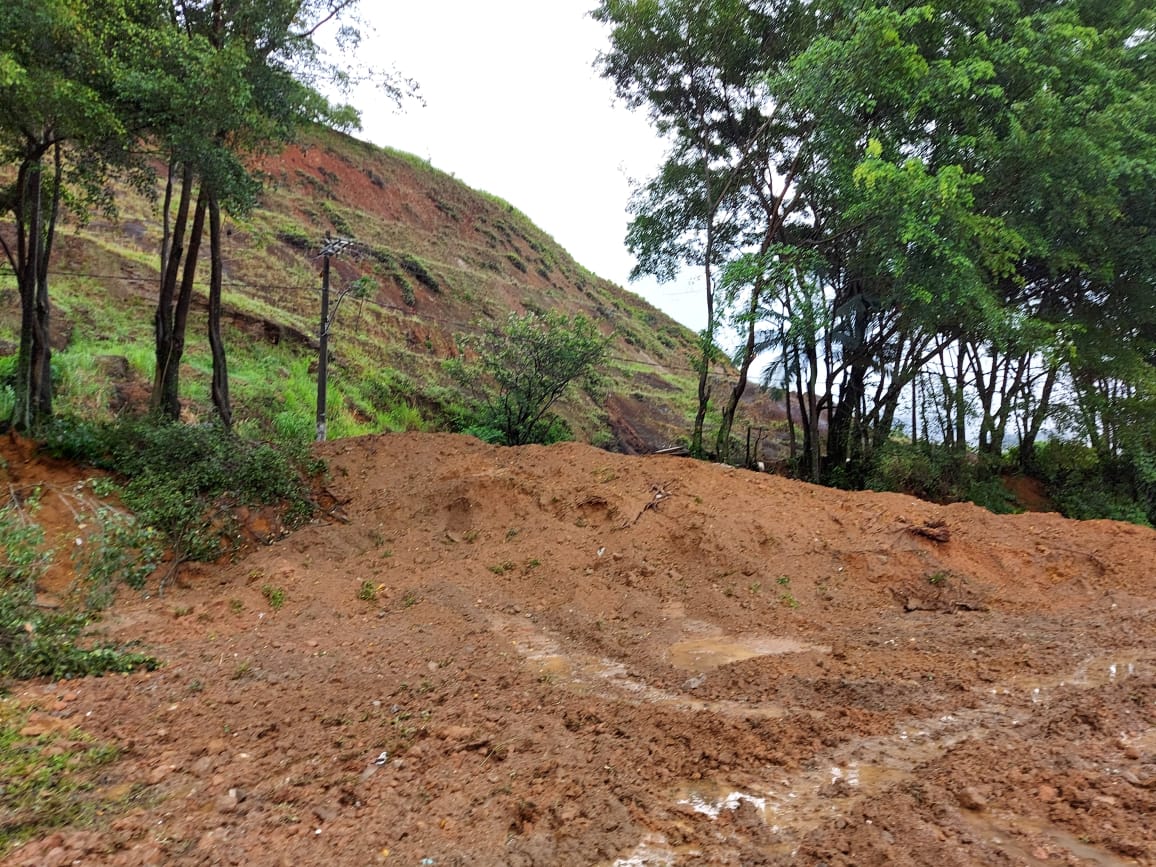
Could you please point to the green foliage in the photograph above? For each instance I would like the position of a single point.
(118, 550)
(930, 472)
(519, 372)
(183, 480)
(274, 595)
(1085, 485)
(35, 642)
(50, 780)
(420, 272)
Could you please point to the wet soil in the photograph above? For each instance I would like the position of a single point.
(570, 657)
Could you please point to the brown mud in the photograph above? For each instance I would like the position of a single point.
(572, 657)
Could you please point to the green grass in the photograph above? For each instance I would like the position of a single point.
(51, 780)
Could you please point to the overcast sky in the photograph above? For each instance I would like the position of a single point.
(514, 107)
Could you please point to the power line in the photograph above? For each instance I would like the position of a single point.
(404, 311)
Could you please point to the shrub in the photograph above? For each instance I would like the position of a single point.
(35, 642)
(522, 369)
(183, 480)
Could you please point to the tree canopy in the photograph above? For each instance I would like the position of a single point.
(959, 238)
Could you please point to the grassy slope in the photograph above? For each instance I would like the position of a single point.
(444, 260)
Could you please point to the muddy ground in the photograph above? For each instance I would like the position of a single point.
(572, 657)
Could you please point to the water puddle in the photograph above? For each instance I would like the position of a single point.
(1007, 832)
(1095, 671)
(584, 671)
(706, 654)
(655, 851)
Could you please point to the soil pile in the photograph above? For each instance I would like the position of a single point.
(561, 656)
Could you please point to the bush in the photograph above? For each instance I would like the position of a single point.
(522, 369)
(1084, 485)
(183, 480)
(930, 472)
(38, 643)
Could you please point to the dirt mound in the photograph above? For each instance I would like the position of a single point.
(561, 656)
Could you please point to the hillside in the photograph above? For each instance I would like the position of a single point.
(558, 656)
(443, 259)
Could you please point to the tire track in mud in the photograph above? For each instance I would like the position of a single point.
(796, 804)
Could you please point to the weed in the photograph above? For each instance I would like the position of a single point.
(367, 592)
(755, 587)
(410, 599)
(37, 642)
(236, 606)
(275, 596)
(786, 597)
(182, 611)
(502, 568)
(50, 780)
(182, 480)
(937, 579)
(243, 670)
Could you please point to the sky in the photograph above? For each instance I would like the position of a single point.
(514, 107)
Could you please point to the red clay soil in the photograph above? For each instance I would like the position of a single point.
(580, 658)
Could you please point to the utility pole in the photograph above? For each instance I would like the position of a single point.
(331, 247)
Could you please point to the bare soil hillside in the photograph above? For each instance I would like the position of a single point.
(572, 657)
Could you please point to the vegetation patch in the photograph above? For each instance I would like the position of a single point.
(49, 777)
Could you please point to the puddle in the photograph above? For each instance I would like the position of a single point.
(584, 671)
(1006, 832)
(654, 851)
(705, 654)
(1093, 672)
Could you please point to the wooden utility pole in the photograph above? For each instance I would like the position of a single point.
(332, 247)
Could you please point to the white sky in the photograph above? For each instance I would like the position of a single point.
(515, 107)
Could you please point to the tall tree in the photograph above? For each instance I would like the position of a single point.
(694, 66)
(59, 127)
(236, 80)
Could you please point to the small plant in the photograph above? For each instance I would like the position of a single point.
(755, 587)
(502, 568)
(410, 599)
(236, 606)
(937, 579)
(786, 597)
(243, 670)
(275, 596)
(367, 592)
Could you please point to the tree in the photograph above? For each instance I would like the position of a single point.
(230, 80)
(61, 130)
(695, 67)
(519, 372)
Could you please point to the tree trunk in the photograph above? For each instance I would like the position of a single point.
(35, 225)
(707, 348)
(166, 379)
(220, 387)
(168, 372)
